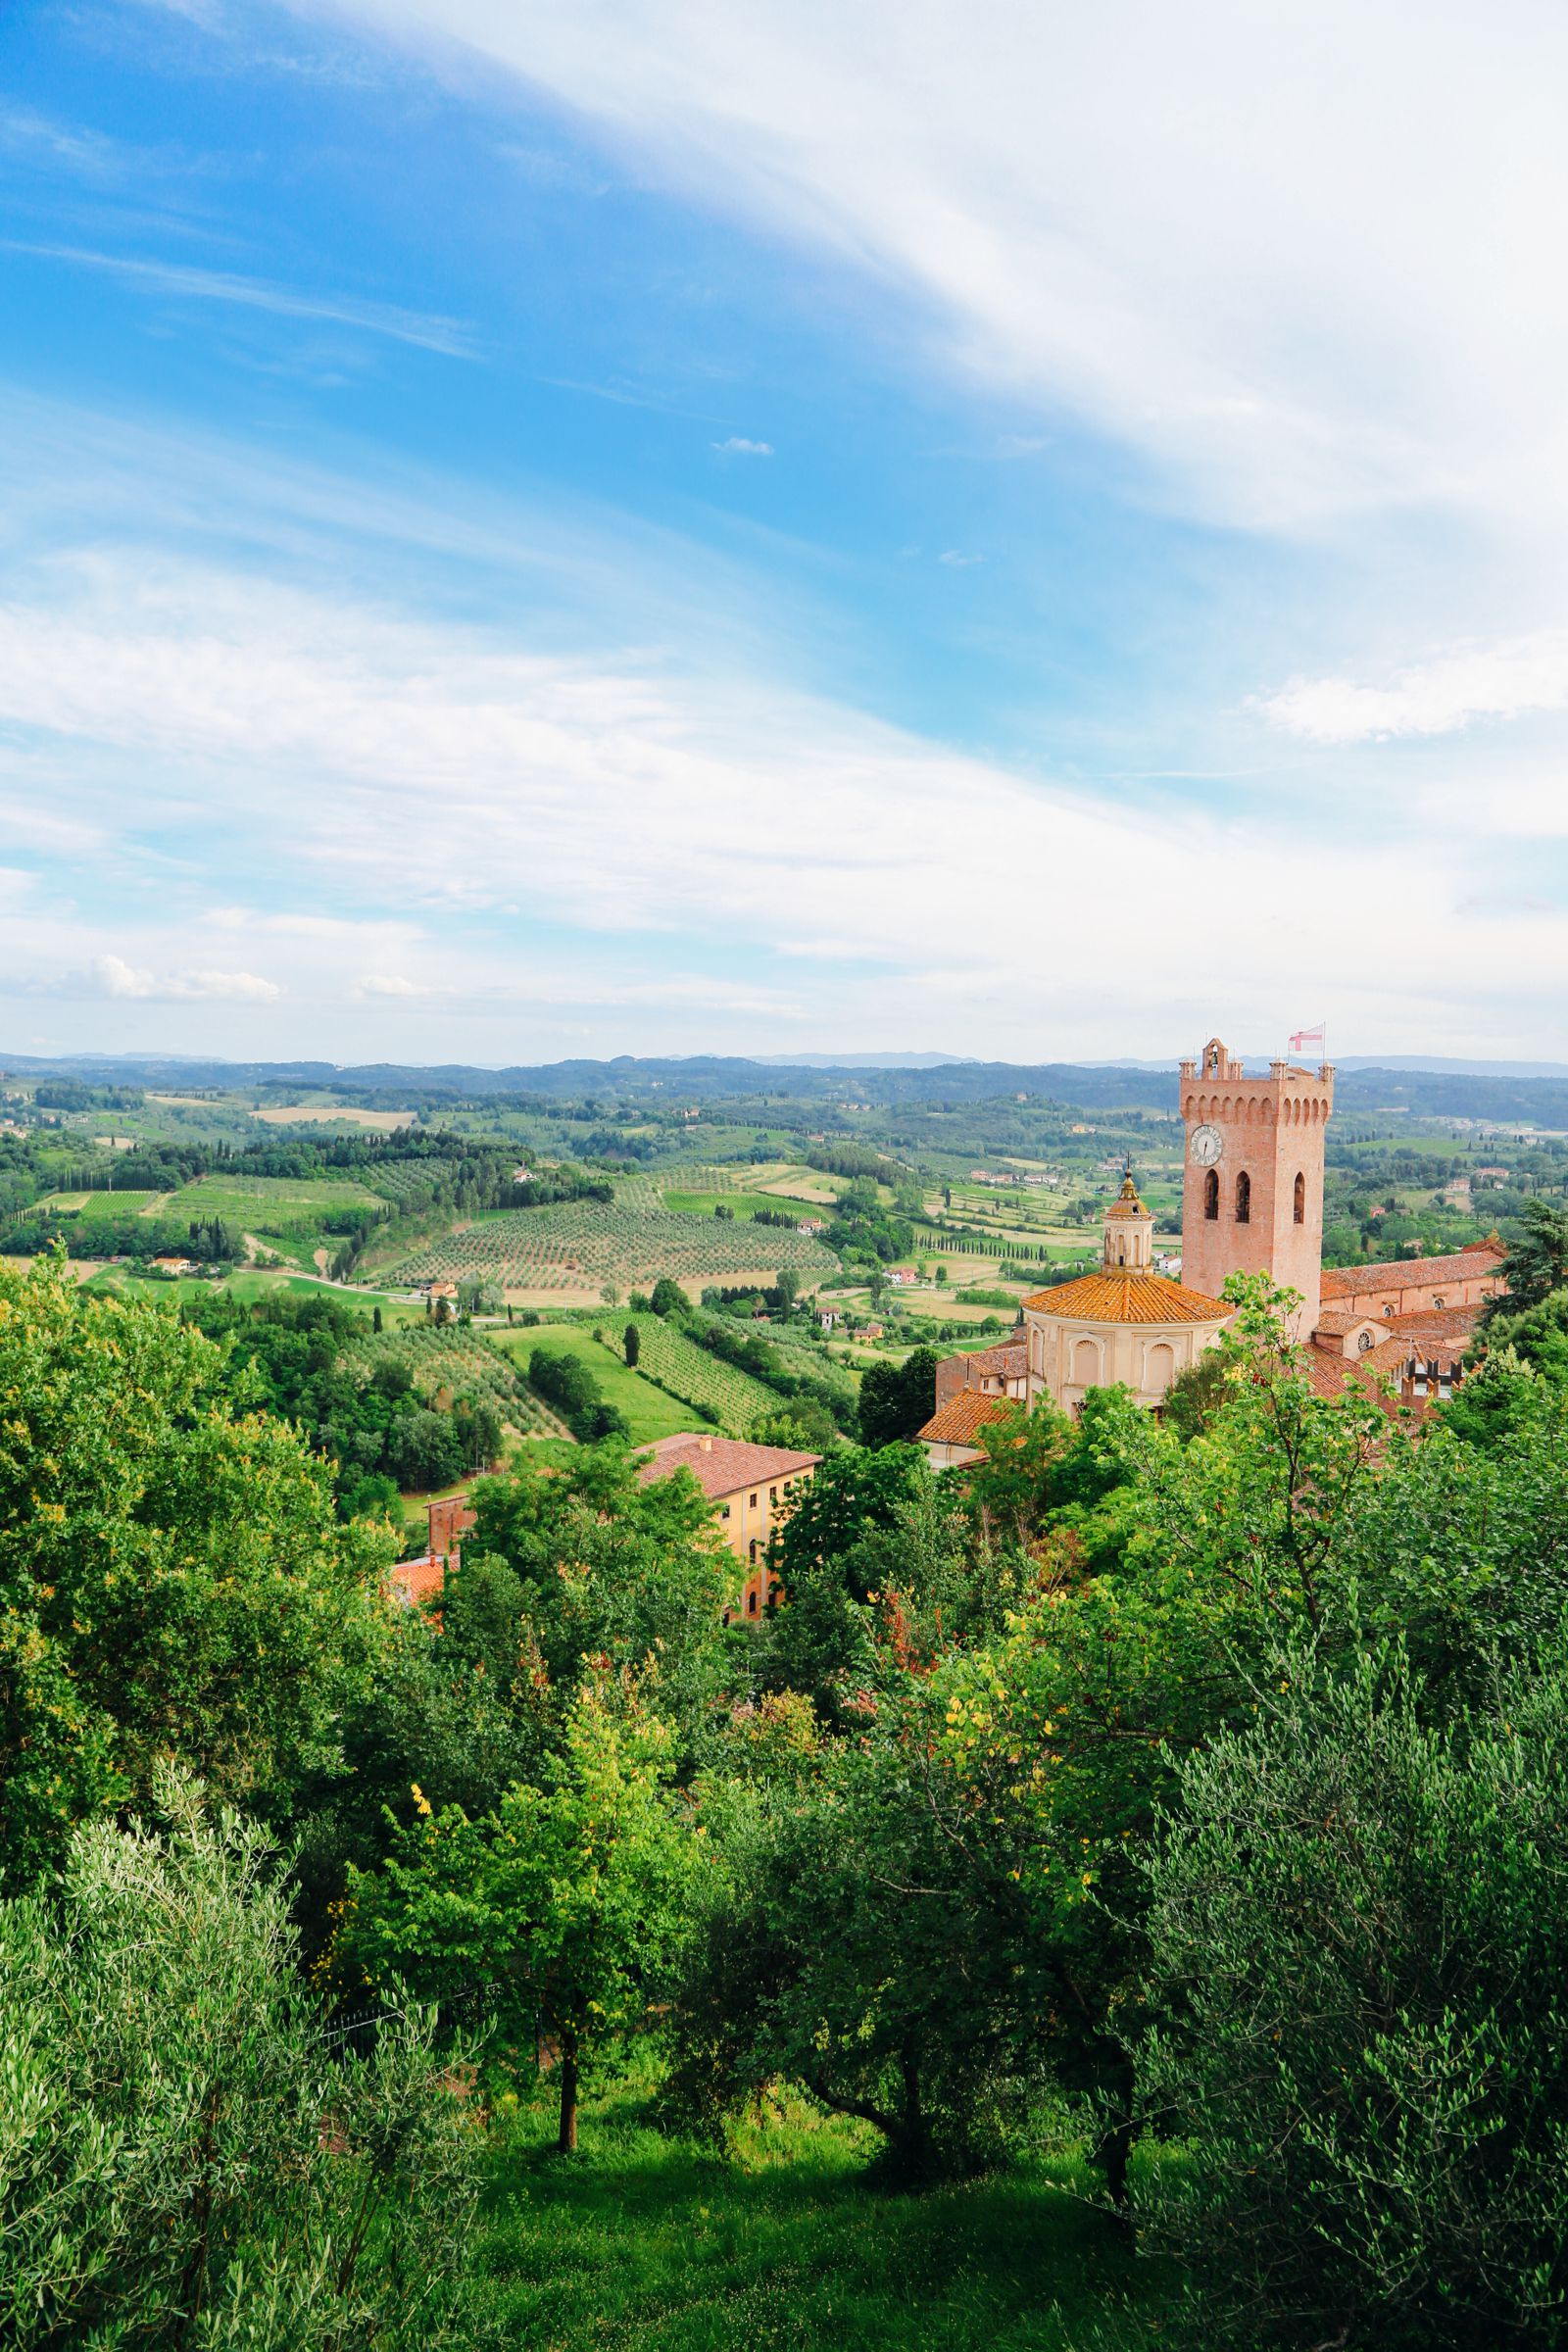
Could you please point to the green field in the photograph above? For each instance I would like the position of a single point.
(449, 1360)
(692, 1374)
(650, 1414)
(271, 1205)
(743, 1205)
(101, 1207)
(583, 1244)
(646, 2243)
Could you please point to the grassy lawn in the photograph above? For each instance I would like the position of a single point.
(743, 1205)
(100, 1208)
(649, 1412)
(648, 2244)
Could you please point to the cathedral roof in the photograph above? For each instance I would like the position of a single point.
(1413, 1273)
(1123, 1294)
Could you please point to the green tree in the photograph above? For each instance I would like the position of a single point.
(851, 1492)
(566, 1903)
(857, 1937)
(803, 1425)
(174, 1581)
(1537, 1259)
(668, 1297)
(609, 1568)
(897, 1400)
(633, 1344)
(1358, 1923)
(185, 2159)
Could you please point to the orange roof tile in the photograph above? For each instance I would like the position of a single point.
(1119, 1294)
(1009, 1357)
(1437, 1323)
(1412, 1273)
(1334, 1325)
(414, 1582)
(956, 1422)
(1328, 1376)
(720, 1465)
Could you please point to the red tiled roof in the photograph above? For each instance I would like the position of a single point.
(1425, 1324)
(421, 1580)
(1336, 1325)
(720, 1465)
(1389, 1358)
(1469, 1264)
(1119, 1294)
(1327, 1376)
(1009, 1357)
(956, 1422)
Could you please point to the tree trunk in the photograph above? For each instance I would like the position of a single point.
(566, 2138)
(1113, 2153)
(915, 2158)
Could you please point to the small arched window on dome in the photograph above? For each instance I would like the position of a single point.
(1300, 1199)
(1211, 1195)
(1243, 1199)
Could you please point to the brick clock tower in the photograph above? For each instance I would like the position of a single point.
(1252, 1194)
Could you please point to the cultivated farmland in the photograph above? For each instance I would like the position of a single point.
(581, 1245)
(269, 1203)
(446, 1356)
(688, 1371)
(102, 1207)
(650, 1412)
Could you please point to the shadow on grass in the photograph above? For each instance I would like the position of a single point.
(644, 2241)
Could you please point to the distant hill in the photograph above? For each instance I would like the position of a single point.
(1530, 1092)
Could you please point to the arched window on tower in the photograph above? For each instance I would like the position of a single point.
(1300, 1199)
(1212, 1194)
(1243, 1199)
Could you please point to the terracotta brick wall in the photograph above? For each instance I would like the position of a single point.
(1273, 1130)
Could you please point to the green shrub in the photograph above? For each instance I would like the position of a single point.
(1359, 1928)
(182, 2159)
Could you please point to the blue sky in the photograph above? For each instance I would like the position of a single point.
(655, 528)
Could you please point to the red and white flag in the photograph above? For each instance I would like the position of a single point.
(1304, 1038)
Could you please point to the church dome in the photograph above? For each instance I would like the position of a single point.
(1125, 1294)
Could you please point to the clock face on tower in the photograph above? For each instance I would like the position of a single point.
(1206, 1146)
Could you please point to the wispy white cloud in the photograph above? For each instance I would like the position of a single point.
(737, 446)
(37, 137)
(1301, 259)
(1436, 697)
(415, 764)
(956, 560)
(387, 984)
(110, 975)
(450, 337)
(291, 769)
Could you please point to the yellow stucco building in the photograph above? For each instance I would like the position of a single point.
(751, 1490)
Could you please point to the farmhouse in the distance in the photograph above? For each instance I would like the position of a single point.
(750, 1489)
